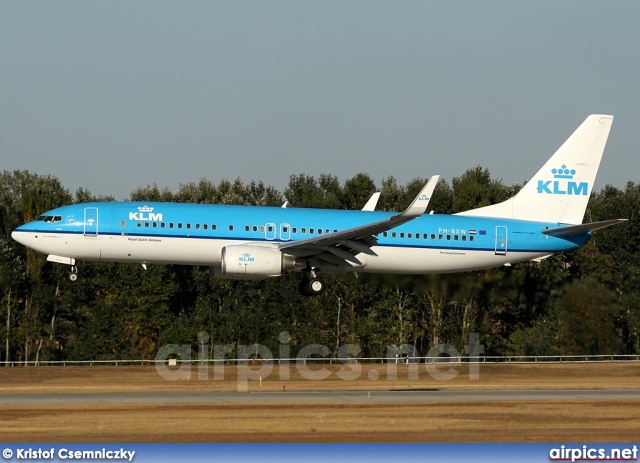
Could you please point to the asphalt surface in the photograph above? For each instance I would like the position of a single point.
(399, 397)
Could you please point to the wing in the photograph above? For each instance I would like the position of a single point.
(340, 248)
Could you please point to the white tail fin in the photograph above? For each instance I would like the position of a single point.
(560, 191)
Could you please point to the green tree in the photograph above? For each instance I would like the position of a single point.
(306, 191)
(475, 188)
(356, 192)
(586, 319)
(24, 197)
(152, 193)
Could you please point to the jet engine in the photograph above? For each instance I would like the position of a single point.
(243, 259)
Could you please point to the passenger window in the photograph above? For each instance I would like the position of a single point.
(471, 238)
(439, 237)
(124, 223)
(294, 230)
(197, 226)
(155, 224)
(448, 237)
(402, 235)
(464, 237)
(384, 234)
(230, 227)
(189, 226)
(246, 228)
(270, 228)
(139, 224)
(393, 234)
(214, 226)
(311, 231)
(262, 228)
(304, 230)
(319, 231)
(179, 224)
(455, 237)
(205, 226)
(146, 224)
(425, 236)
(409, 235)
(433, 236)
(170, 224)
(255, 228)
(162, 224)
(285, 229)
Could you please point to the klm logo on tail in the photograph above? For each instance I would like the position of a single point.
(562, 185)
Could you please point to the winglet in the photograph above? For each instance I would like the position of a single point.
(372, 203)
(419, 205)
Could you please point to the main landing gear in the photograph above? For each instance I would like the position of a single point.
(312, 285)
(73, 275)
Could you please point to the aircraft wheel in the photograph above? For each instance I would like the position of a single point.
(73, 276)
(314, 287)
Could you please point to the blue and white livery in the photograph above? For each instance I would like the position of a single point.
(255, 242)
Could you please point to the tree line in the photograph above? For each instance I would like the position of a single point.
(585, 301)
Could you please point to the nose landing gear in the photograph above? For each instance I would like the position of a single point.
(73, 275)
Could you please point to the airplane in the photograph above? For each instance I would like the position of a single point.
(258, 242)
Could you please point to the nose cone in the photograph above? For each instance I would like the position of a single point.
(21, 237)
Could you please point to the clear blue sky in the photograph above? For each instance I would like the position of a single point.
(115, 95)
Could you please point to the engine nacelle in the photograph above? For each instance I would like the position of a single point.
(244, 259)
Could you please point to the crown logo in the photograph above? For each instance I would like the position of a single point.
(145, 209)
(563, 172)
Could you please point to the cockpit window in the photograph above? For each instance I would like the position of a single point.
(50, 218)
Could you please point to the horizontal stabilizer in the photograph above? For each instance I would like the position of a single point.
(572, 230)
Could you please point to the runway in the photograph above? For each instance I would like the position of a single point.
(380, 397)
